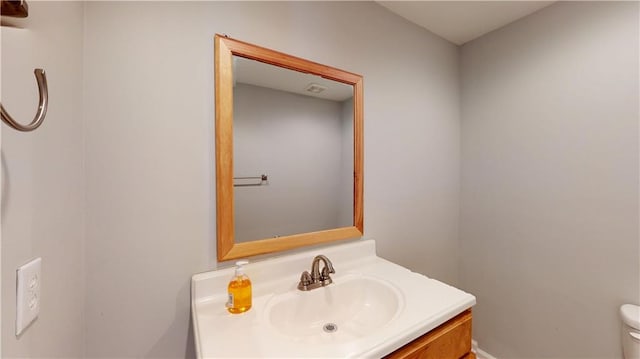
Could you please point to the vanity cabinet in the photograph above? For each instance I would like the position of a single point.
(451, 340)
(387, 304)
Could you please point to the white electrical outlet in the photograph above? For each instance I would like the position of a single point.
(28, 294)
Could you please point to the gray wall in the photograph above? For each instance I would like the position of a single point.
(43, 179)
(345, 213)
(149, 149)
(297, 141)
(549, 224)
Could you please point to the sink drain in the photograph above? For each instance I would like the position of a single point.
(330, 327)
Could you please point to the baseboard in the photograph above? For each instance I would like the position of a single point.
(480, 354)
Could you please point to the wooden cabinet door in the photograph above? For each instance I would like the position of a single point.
(451, 340)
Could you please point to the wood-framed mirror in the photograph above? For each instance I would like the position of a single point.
(231, 54)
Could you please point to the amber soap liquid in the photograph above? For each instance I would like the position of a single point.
(239, 295)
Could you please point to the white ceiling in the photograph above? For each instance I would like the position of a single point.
(456, 21)
(264, 75)
(463, 21)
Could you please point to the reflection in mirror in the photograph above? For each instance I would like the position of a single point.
(303, 154)
(297, 129)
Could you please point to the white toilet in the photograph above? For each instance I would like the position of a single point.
(630, 331)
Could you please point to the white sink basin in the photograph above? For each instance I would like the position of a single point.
(352, 307)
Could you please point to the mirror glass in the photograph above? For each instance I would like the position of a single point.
(296, 130)
(289, 151)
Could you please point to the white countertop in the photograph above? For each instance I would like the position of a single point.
(426, 303)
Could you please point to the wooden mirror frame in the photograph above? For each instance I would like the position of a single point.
(227, 249)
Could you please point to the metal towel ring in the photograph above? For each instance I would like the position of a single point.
(42, 106)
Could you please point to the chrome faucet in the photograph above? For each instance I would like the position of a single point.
(317, 278)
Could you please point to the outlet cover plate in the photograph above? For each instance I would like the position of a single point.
(28, 294)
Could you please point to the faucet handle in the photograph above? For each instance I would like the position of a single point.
(325, 278)
(305, 280)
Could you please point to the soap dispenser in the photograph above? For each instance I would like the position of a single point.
(239, 291)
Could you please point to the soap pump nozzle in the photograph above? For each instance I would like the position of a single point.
(240, 267)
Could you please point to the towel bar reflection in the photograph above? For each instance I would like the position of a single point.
(41, 78)
(262, 178)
